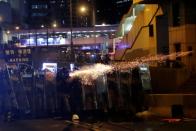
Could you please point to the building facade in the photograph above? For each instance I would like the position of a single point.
(182, 29)
(19, 13)
(53, 45)
(155, 27)
(5, 13)
(48, 12)
(14, 13)
(61, 36)
(105, 10)
(122, 7)
(5, 18)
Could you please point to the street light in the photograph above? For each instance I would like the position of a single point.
(103, 24)
(42, 26)
(17, 28)
(83, 12)
(71, 39)
(54, 26)
(83, 9)
(8, 32)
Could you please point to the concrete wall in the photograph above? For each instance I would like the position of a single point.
(145, 43)
(168, 79)
(137, 1)
(185, 36)
(161, 104)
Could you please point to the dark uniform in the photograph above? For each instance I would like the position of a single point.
(3, 93)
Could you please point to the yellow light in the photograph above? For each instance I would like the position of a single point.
(54, 25)
(83, 9)
(147, 9)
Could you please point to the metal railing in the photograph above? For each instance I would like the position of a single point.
(138, 33)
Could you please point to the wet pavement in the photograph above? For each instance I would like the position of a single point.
(61, 125)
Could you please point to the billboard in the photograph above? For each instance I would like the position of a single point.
(52, 67)
(18, 55)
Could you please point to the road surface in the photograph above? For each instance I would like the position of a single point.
(60, 125)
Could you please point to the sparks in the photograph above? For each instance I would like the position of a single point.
(88, 74)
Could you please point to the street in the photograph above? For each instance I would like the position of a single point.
(60, 125)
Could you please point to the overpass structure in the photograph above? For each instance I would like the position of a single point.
(86, 38)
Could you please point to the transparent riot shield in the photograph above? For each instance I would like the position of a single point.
(102, 93)
(39, 95)
(119, 85)
(145, 77)
(125, 89)
(27, 80)
(119, 92)
(18, 95)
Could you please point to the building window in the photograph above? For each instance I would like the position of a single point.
(39, 14)
(39, 6)
(52, 1)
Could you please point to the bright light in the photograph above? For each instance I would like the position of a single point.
(54, 25)
(31, 40)
(83, 9)
(103, 24)
(42, 26)
(8, 32)
(50, 66)
(40, 40)
(88, 74)
(143, 68)
(17, 27)
(93, 56)
(86, 47)
(50, 40)
(62, 41)
(72, 67)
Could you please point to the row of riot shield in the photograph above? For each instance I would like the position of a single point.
(118, 93)
(16, 93)
(109, 91)
(42, 93)
(30, 93)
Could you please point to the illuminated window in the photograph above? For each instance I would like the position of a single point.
(39, 14)
(39, 6)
